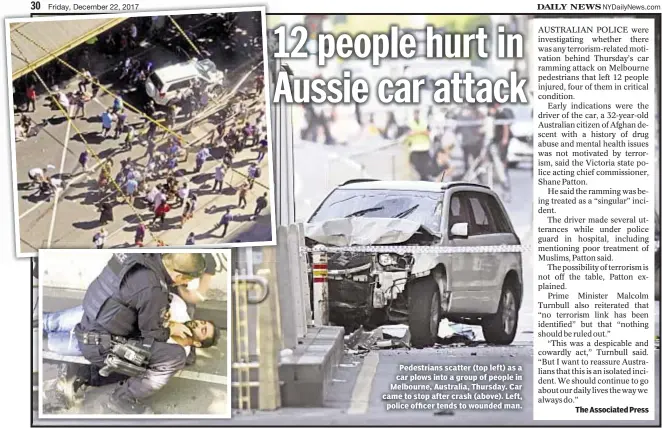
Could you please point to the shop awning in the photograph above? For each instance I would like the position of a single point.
(55, 37)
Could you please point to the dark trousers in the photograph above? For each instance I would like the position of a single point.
(31, 103)
(419, 161)
(225, 229)
(468, 152)
(219, 184)
(242, 201)
(166, 360)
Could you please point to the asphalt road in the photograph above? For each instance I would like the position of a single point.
(71, 220)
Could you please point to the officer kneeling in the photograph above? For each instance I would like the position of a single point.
(125, 325)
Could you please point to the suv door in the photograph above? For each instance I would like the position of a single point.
(464, 279)
(483, 231)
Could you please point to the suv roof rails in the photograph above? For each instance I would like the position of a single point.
(359, 180)
(463, 183)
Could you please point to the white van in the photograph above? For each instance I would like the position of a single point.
(163, 84)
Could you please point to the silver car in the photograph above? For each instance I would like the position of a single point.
(427, 252)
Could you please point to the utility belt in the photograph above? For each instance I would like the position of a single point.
(127, 356)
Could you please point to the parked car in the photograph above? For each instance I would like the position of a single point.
(419, 287)
(164, 83)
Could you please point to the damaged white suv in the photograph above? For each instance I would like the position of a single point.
(419, 286)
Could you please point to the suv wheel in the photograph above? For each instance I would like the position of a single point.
(500, 328)
(424, 312)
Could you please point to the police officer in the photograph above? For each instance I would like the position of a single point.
(419, 143)
(130, 300)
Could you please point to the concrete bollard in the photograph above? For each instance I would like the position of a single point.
(320, 287)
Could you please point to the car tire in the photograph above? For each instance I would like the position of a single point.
(500, 328)
(424, 312)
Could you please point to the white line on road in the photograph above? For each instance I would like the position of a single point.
(57, 191)
(361, 394)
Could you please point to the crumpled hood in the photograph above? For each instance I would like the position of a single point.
(345, 232)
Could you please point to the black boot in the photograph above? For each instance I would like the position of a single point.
(121, 402)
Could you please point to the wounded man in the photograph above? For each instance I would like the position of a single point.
(131, 328)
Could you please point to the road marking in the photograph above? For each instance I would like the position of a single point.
(58, 191)
(360, 401)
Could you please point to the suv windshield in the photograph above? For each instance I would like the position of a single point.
(421, 207)
(206, 67)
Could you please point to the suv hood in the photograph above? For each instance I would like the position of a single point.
(345, 232)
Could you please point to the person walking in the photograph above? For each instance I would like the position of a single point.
(121, 123)
(243, 190)
(140, 235)
(160, 213)
(253, 173)
(106, 216)
(100, 238)
(260, 204)
(31, 95)
(106, 122)
(83, 158)
(225, 222)
(85, 79)
(219, 175)
(118, 103)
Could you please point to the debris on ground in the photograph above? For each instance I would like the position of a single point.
(398, 336)
(453, 334)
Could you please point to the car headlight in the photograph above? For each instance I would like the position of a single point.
(387, 260)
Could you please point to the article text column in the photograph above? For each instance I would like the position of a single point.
(594, 222)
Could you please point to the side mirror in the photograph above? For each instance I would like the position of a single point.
(459, 230)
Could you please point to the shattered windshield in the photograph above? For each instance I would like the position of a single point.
(206, 67)
(418, 206)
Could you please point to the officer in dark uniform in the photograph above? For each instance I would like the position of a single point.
(128, 303)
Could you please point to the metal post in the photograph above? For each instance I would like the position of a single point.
(268, 338)
(296, 280)
(286, 299)
(320, 287)
(303, 269)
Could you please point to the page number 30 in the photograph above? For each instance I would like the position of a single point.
(35, 5)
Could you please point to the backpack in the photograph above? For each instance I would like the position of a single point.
(258, 172)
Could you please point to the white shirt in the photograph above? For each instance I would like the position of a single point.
(64, 100)
(158, 199)
(219, 173)
(36, 173)
(178, 313)
(151, 196)
(183, 192)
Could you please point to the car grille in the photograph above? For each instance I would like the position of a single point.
(344, 261)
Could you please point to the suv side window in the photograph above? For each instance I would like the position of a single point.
(184, 84)
(481, 222)
(501, 223)
(457, 212)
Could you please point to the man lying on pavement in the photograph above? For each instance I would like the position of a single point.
(127, 328)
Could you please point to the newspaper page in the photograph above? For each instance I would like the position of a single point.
(464, 207)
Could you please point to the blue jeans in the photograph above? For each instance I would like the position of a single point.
(58, 329)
